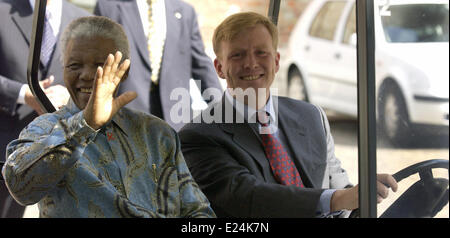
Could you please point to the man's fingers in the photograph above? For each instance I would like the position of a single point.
(99, 73)
(123, 69)
(112, 69)
(382, 190)
(388, 180)
(47, 82)
(117, 59)
(392, 182)
(98, 78)
(58, 95)
(108, 64)
(379, 199)
(124, 99)
(384, 182)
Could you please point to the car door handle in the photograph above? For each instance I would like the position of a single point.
(307, 47)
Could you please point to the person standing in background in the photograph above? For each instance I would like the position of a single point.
(166, 48)
(18, 107)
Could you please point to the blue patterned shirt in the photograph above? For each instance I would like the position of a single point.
(131, 167)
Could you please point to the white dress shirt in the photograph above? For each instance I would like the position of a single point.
(159, 16)
(251, 112)
(54, 11)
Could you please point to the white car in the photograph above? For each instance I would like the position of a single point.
(412, 62)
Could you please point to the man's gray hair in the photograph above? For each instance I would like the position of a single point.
(96, 26)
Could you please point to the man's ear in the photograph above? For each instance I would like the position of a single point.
(277, 61)
(218, 67)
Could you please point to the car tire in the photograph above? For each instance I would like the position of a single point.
(393, 118)
(296, 86)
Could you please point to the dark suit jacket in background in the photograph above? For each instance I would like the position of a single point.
(229, 163)
(16, 18)
(183, 57)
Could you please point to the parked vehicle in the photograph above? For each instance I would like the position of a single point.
(412, 58)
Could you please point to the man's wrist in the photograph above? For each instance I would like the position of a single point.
(344, 199)
(88, 121)
(336, 203)
(80, 131)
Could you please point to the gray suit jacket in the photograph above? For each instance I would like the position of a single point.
(183, 58)
(16, 18)
(230, 166)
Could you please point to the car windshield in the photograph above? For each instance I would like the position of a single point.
(404, 25)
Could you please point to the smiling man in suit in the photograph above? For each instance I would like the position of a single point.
(258, 155)
(167, 51)
(18, 106)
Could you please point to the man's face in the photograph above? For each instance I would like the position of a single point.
(82, 57)
(249, 60)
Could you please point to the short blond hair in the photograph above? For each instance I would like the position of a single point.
(236, 23)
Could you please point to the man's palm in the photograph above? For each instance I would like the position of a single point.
(102, 105)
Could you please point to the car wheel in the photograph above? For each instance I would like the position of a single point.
(296, 86)
(393, 116)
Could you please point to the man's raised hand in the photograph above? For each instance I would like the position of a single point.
(102, 105)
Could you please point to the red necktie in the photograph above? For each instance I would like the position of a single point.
(282, 166)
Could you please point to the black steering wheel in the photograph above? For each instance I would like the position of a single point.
(425, 198)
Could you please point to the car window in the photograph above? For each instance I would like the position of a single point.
(416, 23)
(413, 105)
(350, 26)
(325, 23)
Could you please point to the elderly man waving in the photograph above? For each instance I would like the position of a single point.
(94, 158)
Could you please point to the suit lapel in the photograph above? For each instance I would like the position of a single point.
(23, 18)
(174, 17)
(130, 13)
(297, 137)
(247, 139)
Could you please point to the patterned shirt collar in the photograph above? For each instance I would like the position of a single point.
(117, 119)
